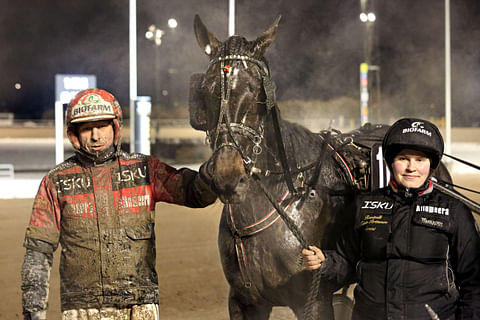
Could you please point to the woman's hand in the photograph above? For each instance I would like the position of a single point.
(313, 258)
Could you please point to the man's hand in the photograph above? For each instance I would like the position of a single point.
(313, 258)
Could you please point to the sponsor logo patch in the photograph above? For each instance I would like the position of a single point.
(73, 184)
(384, 205)
(370, 222)
(91, 109)
(432, 209)
(79, 206)
(130, 176)
(134, 201)
(431, 222)
(417, 127)
(433, 217)
(92, 104)
(376, 214)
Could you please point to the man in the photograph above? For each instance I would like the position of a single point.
(414, 251)
(100, 206)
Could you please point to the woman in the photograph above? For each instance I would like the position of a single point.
(413, 251)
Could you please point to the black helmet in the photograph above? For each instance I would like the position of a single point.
(415, 134)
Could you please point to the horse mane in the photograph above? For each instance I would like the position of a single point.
(300, 140)
(237, 45)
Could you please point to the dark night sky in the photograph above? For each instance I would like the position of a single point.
(315, 56)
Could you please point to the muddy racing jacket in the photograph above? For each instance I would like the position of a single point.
(406, 251)
(103, 216)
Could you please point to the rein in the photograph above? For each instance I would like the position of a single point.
(315, 286)
(444, 187)
(462, 161)
(448, 187)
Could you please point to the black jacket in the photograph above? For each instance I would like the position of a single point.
(408, 251)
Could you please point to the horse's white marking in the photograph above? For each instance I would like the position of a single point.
(235, 79)
(244, 118)
(208, 49)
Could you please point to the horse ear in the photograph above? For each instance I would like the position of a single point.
(265, 39)
(207, 41)
(196, 106)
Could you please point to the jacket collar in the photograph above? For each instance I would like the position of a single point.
(89, 159)
(411, 193)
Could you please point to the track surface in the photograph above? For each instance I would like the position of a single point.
(192, 285)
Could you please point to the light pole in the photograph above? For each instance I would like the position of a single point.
(368, 18)
(132, 37)
(231, 18)
(156, 34)
(448, 83)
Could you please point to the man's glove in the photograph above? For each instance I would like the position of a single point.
(35, 278)
(206, 172)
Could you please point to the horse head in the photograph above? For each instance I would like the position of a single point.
(230, 102)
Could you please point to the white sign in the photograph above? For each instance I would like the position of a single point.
(68, 85)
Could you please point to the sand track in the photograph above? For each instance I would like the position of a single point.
(192, 285)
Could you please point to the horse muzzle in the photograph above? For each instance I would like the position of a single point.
(229, 177)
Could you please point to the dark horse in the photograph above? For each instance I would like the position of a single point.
(262, 163)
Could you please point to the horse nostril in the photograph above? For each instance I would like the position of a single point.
(210, 168)
(242, 180)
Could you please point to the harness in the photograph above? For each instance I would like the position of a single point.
(341, 147)
(238, 233)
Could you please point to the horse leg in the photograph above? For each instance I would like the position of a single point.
(241, 311)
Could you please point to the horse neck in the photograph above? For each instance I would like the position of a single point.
(300, 144)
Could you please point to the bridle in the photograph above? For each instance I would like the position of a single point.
(233, 130)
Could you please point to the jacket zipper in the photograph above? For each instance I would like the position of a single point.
(447, 269)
